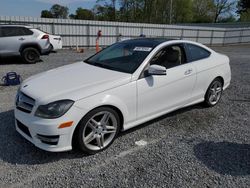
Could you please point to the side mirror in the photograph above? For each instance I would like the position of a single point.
(156, 70)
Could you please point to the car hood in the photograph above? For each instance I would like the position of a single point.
(75, 82)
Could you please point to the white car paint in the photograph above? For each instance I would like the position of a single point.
(56, 42)
(138, 99)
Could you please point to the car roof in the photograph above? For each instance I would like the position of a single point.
(11, 25)
(153, 42)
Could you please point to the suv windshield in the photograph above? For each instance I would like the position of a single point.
(124, 56)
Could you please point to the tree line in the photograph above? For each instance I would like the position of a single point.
(158, 11)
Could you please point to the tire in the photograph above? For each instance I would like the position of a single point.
(52, 50)
(30, 55)
(97, 130)
(51, 47)
(214, 93)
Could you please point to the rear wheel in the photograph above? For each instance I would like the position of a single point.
(30, 55)
(97, 130)
(214, 93)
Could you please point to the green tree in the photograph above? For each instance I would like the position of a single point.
(72, 16)
(244, 10)
(203, 11)
(83, 14)
(46, 14)
(109, 9)
(59, 11)
(230, 18)
(182, 11)
(245, 16)
(243, 6)
(222, 7)
(103, 13)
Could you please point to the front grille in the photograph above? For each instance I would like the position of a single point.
(23, 128)
(24, 102)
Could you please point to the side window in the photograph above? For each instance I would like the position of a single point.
(22, 31)
(8, 31)
(197, 52)
(15, 31)
(170, 56)
(1, 32)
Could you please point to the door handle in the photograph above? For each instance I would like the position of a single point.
(21, 38)
(189, 71)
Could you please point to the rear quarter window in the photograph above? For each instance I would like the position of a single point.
(197, 52)
(26, 31)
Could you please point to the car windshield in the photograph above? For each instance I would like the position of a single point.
(124, 56)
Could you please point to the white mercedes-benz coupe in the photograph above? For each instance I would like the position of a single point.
(86, 104)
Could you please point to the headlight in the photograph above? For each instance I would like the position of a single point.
(54, 110)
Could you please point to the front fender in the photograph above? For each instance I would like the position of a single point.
(123, 98)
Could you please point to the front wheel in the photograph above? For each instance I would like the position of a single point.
(214, 93)
(97, 130)
(30, 55)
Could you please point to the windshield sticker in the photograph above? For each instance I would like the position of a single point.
(143, 49)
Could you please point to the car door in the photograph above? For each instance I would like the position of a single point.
(205, 69)
(13, 37)
(158, 94)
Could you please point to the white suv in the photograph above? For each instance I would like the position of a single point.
(24, 41)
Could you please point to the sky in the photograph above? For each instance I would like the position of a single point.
(34, 7)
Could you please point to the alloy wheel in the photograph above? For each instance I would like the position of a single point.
(100, 130)
(215, 92)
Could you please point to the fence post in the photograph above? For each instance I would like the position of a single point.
(141, 30)
(88, 35)
(117, 33)
(224, 38)
(163, 32)
(182, 33)
(53, 28)
(197, 35)
(241, 35)
(212, 36)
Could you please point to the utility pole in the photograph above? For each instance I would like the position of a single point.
(171, 10)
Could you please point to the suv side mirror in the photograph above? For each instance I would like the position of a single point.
(156, 70)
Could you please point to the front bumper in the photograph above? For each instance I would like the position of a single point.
(44, 133)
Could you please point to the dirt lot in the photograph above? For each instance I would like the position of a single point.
(192, 147)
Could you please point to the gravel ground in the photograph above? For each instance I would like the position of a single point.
(192, 147)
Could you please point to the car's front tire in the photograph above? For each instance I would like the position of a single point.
(97, 130)
(214, 93)
(30, 55)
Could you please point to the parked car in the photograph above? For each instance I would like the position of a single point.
(55, 40)
(88, 103)
(24, 41)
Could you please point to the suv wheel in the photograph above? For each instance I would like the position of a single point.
(30, 55)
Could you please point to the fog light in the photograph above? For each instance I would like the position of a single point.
(51, 140)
